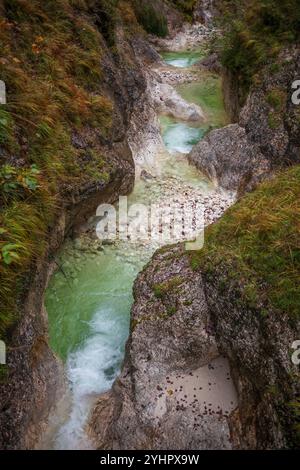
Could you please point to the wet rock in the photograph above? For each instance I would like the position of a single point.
(145, 175)
(168, 101)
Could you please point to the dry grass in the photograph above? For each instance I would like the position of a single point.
(259, 240)
(50, 60)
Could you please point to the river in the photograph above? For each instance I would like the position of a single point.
(89, 299)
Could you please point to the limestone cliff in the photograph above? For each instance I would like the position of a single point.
(237, 298)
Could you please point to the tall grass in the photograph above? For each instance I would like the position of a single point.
(258, 240)
(255, 32)
(50, 61)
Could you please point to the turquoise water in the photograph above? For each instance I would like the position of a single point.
(182, 59)
(208, 95)
(182, 136)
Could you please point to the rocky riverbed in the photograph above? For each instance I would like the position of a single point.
(205, 367)
(183, 395)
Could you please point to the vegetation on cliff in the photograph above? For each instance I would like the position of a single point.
(258, 239)
(255, 33)
(50, 61)
(53, 61)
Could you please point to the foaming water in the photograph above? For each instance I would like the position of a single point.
(90, 331)
(182, 59)
(91, 371)
(179, 136)
(89, 298)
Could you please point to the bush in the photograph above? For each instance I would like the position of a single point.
(255, 32)
(152, 20)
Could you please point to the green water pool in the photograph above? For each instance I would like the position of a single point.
(182, 59)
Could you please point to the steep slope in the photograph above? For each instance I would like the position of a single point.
(238, 297)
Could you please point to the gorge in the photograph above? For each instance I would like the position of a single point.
(144, 344)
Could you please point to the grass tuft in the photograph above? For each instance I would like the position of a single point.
(258, 239)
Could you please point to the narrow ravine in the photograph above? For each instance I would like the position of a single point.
(89, 299)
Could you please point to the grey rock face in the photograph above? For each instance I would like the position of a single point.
(258, 347)
(227, 158)
(209, 321)
(171, 340)
(270, 118)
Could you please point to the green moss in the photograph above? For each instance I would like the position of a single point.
(274, 120)
(274, 68)
(258, 242)
(277, 99)
(3, 373)
(162, 289)
(171, 311)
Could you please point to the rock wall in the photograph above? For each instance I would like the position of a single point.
(35, 379)
(170, 336)
(190, 323)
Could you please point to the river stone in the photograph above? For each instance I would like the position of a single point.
(168, 101)
(228, 159)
